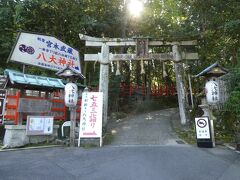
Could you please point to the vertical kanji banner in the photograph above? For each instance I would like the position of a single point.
(91, 115)
(45, 52)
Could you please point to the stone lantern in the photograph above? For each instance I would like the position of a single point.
(212, 99)
(212, 86)
(71, 96)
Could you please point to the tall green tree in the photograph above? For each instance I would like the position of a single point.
(7, 29)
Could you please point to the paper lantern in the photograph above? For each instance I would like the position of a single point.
(212, 91)
(71, 95)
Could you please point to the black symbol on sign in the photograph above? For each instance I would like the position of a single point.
(201, 123)
(28, 49)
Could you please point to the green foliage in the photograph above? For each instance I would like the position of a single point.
(214, 24)
(231, 112)
(108, 138)
(188, 135)
(6, 30)
(64, 19)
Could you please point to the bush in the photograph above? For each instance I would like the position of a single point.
(232, 111)
(2, 132)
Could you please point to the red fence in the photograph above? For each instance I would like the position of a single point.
(154, 91)
(58, 108)
(164, 90)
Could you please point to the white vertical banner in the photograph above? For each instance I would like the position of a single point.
(212, 91)
(91, 116)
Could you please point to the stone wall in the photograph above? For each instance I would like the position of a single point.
(15, 136)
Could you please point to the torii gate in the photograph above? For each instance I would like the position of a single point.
(142, 53)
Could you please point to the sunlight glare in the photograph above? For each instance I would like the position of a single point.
(135, 7)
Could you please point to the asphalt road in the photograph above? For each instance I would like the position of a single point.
(144, 148)
(181, 162)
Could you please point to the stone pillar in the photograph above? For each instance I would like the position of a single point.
(179, 82)
(103, 80)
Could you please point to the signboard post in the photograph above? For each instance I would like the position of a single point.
(203, 132)
(45, 52)
(39, 125)
(91, 116)
(2, 104)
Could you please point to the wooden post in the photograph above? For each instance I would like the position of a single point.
(103, 80)
(20, 114)
(73, 125)
(179, 82)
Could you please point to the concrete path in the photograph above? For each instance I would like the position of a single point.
(147, 129)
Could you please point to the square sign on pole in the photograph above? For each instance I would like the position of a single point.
(91, 116)
(203, 132)
(44, 51)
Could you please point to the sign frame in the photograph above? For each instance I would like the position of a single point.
(202, 125)
(42, 127)
(46, 65)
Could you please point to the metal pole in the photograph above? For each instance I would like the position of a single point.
(73, 125)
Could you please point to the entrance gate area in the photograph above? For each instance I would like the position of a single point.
(144, 51)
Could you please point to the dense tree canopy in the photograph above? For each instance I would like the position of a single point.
(215, 24)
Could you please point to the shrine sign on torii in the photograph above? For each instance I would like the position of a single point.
(142, 53)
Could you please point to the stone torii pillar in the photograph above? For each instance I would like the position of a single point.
(178, 66)
(104, 79)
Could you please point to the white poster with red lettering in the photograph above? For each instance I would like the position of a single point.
(91, 116)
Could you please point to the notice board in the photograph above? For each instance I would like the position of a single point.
(39, 125)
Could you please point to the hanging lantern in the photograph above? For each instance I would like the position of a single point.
(212, 91)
